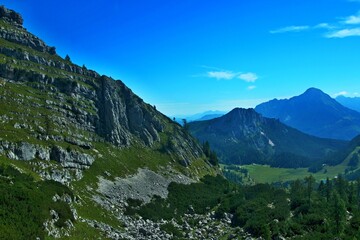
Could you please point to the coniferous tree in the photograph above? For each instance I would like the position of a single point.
(310, 181)
(328, 189)
(206, 149)
(322, 189)
(341, 186)
(67, 58)
(338, 214)
(213, 159)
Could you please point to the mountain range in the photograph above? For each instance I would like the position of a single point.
(314, 113)
(243, 137)
(207, 115)
(83, 157)
(349, 102)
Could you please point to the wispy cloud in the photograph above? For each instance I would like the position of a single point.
(324, 26)
(290, 29)
(339, 29)
(252, 87)
(248, 77)
(343, 33)
(353, 19)
(221, 75)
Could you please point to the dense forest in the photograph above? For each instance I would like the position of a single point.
(302, 210)
(25, 205)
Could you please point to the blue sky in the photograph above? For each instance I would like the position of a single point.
(189, 56)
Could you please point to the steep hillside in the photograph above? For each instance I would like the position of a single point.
(63, 122)
(244, 136)
(315, 113)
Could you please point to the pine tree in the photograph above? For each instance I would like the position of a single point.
(206, 149)
(67, 58)
(328, 189)
(309, 187)
(322, 189)
(213, 159)
(338, 213)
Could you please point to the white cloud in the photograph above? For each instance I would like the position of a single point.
(222, 74)
(290, 29)
(353, 19)
(344, 33)
(252, 87)
(324, 26)
(248, 77)
(342, 93)
(338, 29)
(219, 75)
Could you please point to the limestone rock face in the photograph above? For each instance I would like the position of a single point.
(122, 114)
(71, 159)
(11, 15)
(77, 107)
(25, 151)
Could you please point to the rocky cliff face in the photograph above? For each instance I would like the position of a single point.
(76, 105)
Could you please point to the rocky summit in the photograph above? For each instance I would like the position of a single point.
(66, 123)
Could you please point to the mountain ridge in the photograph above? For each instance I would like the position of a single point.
(315, 113)
(349, 102)
(243, 136)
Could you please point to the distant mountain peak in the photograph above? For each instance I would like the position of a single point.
(241, 110)
(243, 136)
(242, 113)
(313, 90)
(314, 112)
(315, 94)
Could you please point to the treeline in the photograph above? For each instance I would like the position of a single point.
(304, 210)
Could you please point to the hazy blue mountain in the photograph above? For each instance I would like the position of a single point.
(243, 136)
(349, 102)
(207, 115)
(315, 113)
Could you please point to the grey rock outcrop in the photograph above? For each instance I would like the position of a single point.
(73, 162)
(71, 159)
(24, 151)
(122, 115)
(11, 15)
